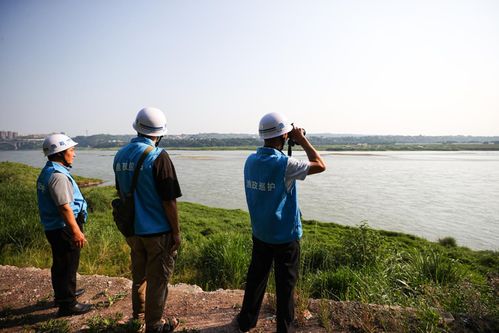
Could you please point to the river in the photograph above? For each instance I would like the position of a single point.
(429, 194)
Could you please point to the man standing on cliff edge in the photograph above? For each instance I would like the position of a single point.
(157, 234)
(270, 184)
(63, 211)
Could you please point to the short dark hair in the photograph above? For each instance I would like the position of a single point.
(146, 136)
(54, 157)
(274, 139)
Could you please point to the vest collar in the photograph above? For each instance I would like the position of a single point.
(142, 139)
(57, 166)
(269, 151)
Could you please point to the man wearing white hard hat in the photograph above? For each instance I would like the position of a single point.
(271, 194)
(156, 229)
(63, 211)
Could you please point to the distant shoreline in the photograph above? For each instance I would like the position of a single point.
(336, 148)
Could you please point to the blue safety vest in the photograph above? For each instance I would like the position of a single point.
(49, 213)
(274, 212)
(150, 217)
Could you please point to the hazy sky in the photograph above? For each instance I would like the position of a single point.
(366, 67)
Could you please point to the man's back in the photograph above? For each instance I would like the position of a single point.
(275, 217)
(149, 214)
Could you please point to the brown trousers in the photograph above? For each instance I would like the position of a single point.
(152, 266)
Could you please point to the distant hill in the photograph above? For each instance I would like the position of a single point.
(242, 140)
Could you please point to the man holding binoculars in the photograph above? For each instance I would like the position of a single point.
(270, 184)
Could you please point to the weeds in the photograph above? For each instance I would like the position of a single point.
(325, 315)
(54, 326)
(334, 284)
(316, 257)
(225, 260)
(361, 246)
(111, 299)
(302, 297)
(112, 323)
(429, 319)
(434, 266)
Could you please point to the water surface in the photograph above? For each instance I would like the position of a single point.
(430, 194)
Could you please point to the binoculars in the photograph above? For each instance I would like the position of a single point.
(291, 142)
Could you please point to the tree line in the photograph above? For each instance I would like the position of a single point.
(246, 140)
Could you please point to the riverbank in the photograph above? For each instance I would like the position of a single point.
(338, 262)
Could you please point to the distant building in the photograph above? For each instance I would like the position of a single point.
(8, 135)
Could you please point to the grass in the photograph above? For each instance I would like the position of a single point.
(112, 323)
(337, 262)
(325, 316)
(54, 326)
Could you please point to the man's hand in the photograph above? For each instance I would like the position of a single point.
(79, 238)
(170, 208)
(68, 217)
(317, 164)
(297, 135)
(176, 241)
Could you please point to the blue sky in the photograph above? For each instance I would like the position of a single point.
(366, 67)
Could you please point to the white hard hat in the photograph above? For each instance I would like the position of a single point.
(55, 143)
(150, 121)
(273, 125)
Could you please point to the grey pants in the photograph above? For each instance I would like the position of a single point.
(152, 266)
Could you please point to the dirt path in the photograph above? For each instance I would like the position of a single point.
(26, 303)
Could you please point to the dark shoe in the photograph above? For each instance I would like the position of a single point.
(235, 323)
(79, 292)
(77, 309)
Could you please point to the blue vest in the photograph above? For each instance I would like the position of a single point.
(150, 217)
(274, 212)
(49, 213)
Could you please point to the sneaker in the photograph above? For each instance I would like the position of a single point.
(167, 326)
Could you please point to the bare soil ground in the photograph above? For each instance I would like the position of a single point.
(26, 302)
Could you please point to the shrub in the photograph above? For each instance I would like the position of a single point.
(448, 242)
(361, 246)
(489, 259)
(434, 266)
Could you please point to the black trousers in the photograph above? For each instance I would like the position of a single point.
(65, 261)
(286, 258)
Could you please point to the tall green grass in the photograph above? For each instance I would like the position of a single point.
(224, 261)
(337, 262)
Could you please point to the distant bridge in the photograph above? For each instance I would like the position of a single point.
(9, 145)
